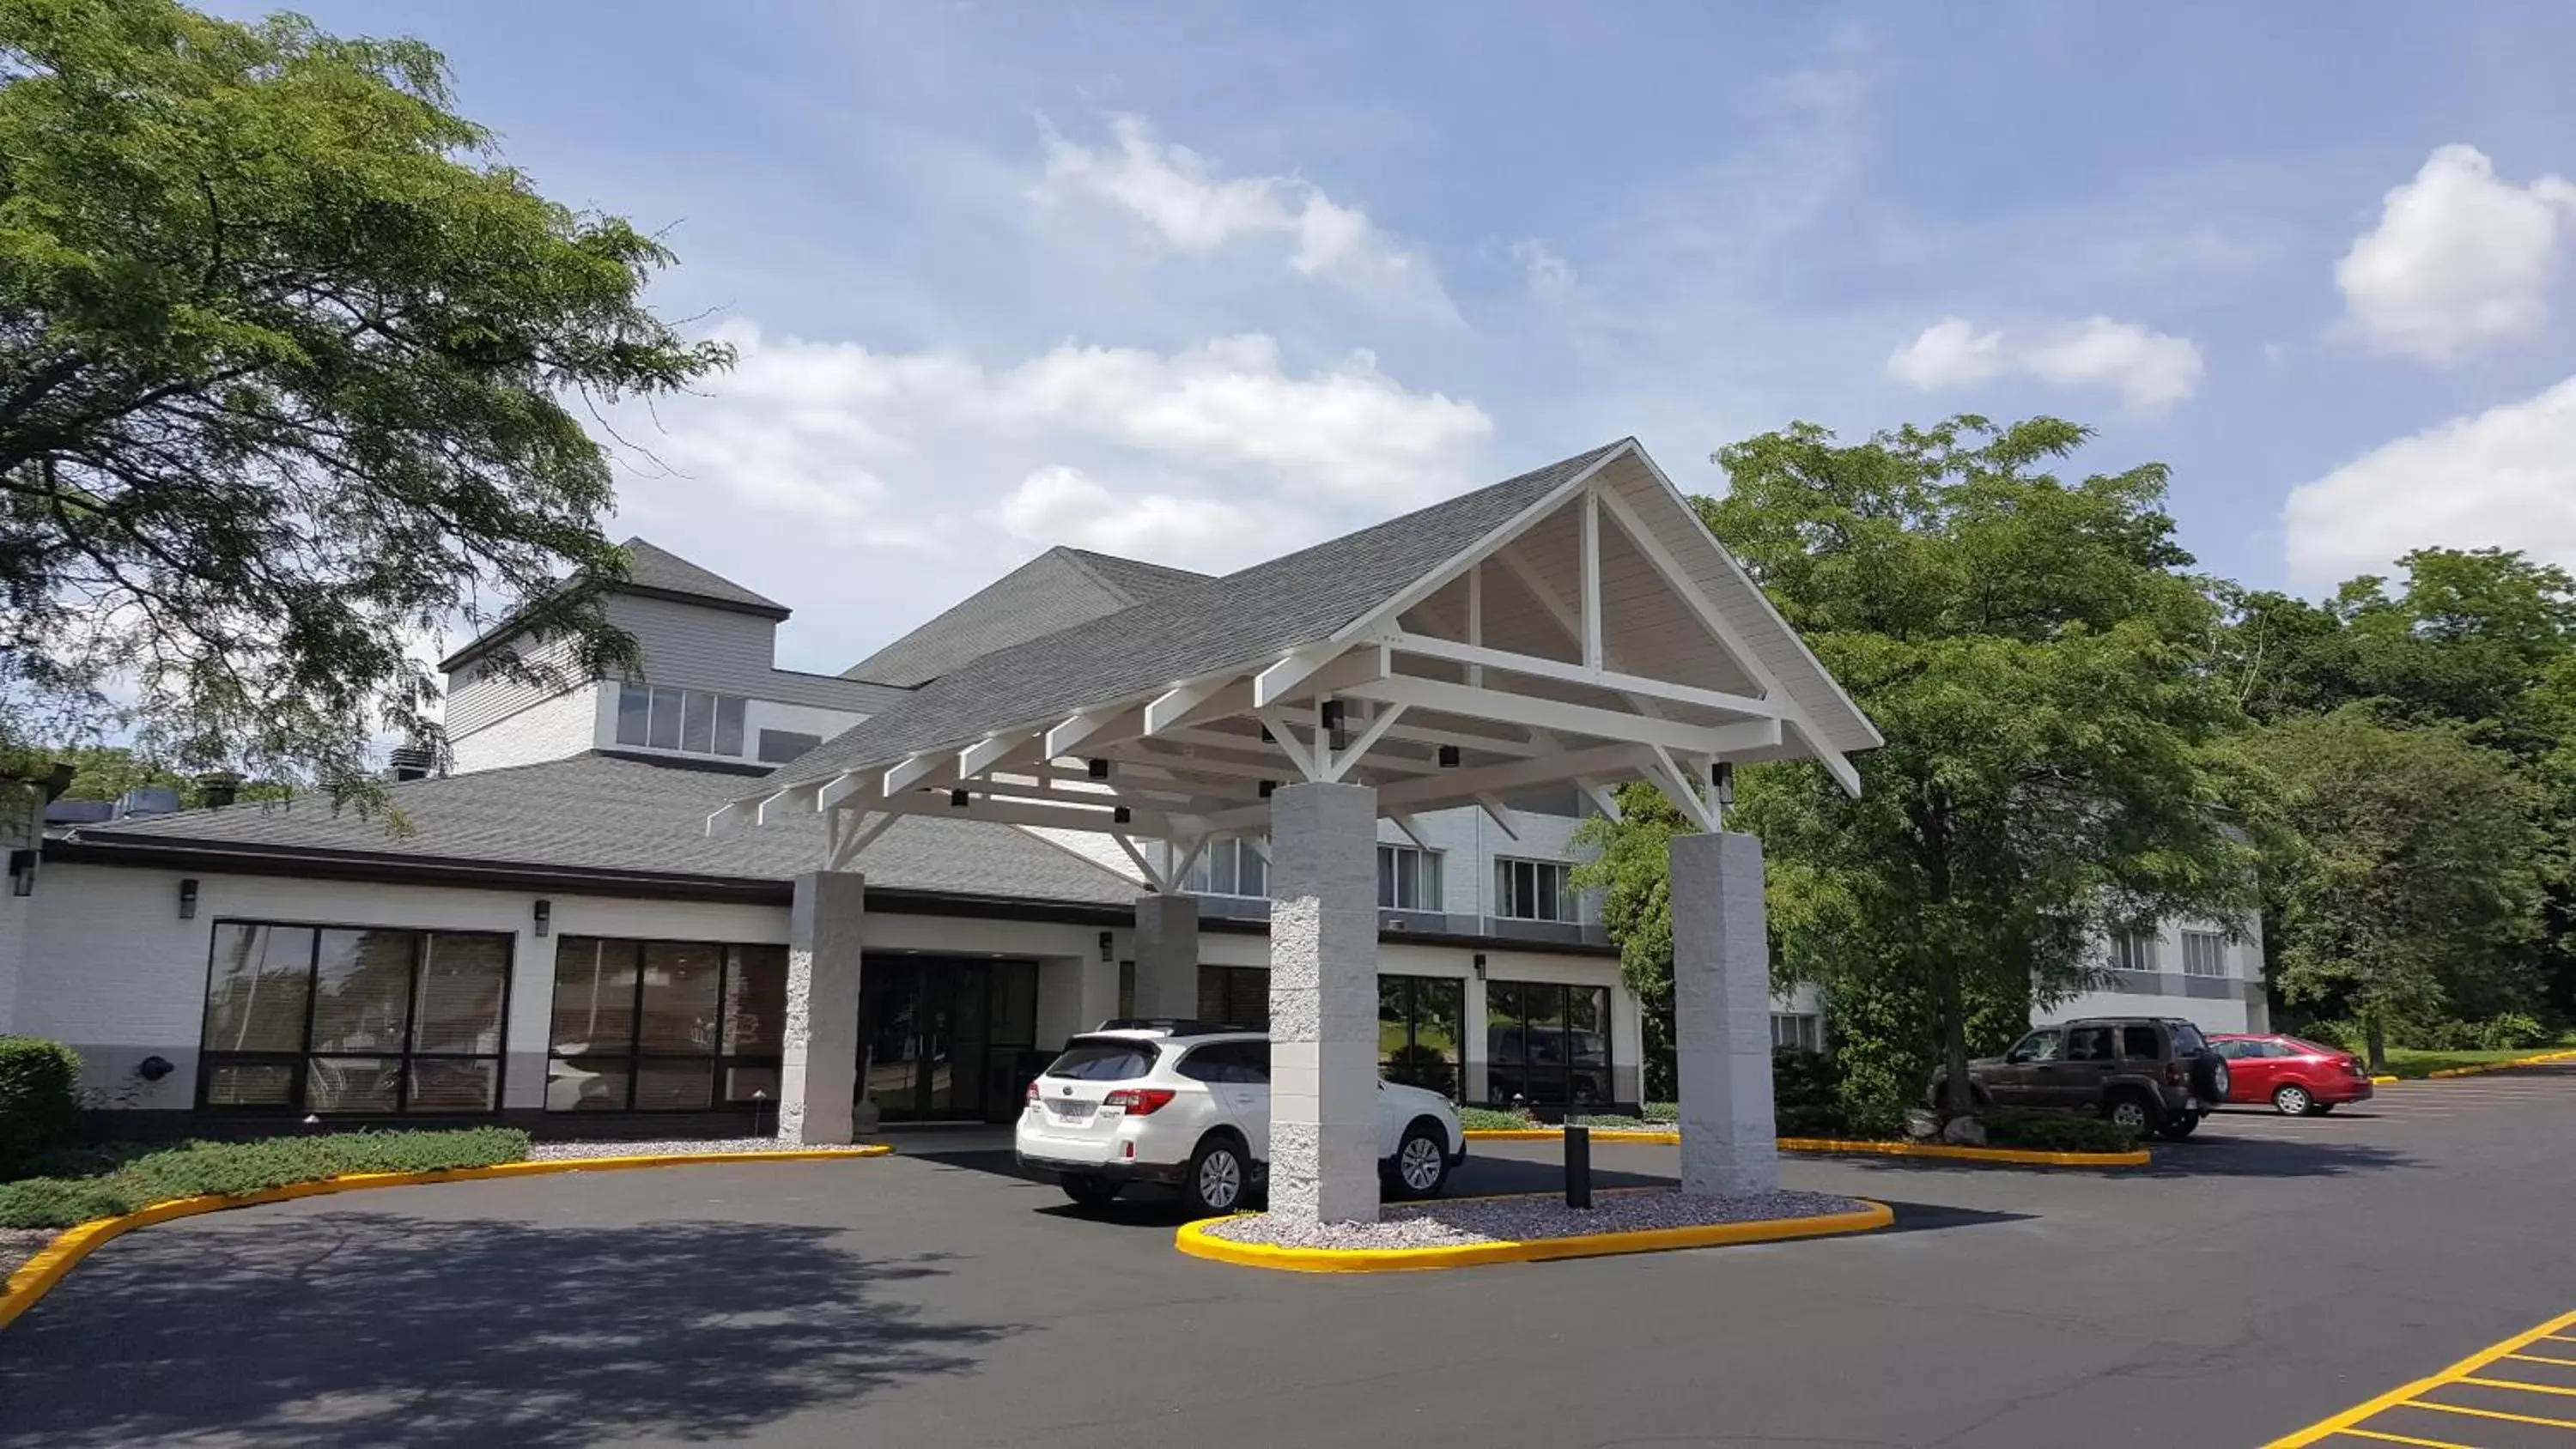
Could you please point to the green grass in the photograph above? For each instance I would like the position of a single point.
(2411, 1064)
(78, 1185)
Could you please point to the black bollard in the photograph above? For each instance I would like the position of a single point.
(1578, 1167)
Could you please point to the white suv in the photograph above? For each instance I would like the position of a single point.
(1188, 1105)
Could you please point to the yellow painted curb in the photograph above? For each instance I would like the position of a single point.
(2013, 1156)
(1195, 1240)
(69, 1246)
(2385, 1081)
(2482, 1068)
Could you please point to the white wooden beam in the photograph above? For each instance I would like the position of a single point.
(1462, 786)
(1168, 708)
(1522, 709)
(1466, 558)
(1387, 715)
(1566, 618)
(846, 788)
(1476, 617)
(1064, 816)
(1679, 788)
(1307, 759)
(1144, 867)
(1500, 814)
(732, 817)
(1604, 798)
(1065, 738)
(856, 837)
(1406, 821)
(1592, 576)
(1272, 685)
(1541, 667)
(794, 800)
(984, 754)
(914, 769)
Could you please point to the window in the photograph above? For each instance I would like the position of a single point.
(2134, 950)
(1236, 1063)
(2089, 1044)
(1235, 996)
(777, 747)
(2204, 953)
(1230, 868)
(1407, 879)
(2142, 1043)
(690, 720)
(2045, 1045)
(1547, 1043)
(1802, 1030)
(1104, 1059)
(2237, 1050)
(664, 1026)
(1532, 890)
(1419, 1021)
(353, 1020)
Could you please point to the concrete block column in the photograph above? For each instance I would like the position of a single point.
(1323, 1003)
(1167, 956)
(819, 1076)
(1722, 1015)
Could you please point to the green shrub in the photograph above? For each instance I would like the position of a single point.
(2055, 1132)
(119, 1179)
(2511, 1031)
(2341, 1035)
(1806, 1094)
(39, 1097)
(1489, 1119)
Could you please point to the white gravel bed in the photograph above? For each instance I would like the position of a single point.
(1523, 1219)
(745, 1146)
(17, 1245)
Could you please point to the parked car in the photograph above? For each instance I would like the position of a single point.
(2299, 1078)
(2157, 1076)
(1188, 1105)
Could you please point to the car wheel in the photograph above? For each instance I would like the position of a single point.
(2293, 1100)
(2132, 1111)
(1421, 1165)
(2178, 1126)
(1090, 1191)
(1219, 1177)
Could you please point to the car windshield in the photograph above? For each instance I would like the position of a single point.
(2186, 1038)
(1104, 1059)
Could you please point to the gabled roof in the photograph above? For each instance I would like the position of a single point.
(1056, 590)
(615, 816)
(652, 572)
(1244, 616)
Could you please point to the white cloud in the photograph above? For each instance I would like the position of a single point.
(1214, 453)
(2458, 261)
(1949, 353)
(2151, 371)
(1175, 192)
(1550, 276)
(2505, 478)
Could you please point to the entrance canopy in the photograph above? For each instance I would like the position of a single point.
(1574, 626)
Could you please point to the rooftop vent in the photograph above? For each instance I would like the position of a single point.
(148, 800)
(410, 762)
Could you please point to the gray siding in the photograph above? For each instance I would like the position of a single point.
(730, 652)
(474, 701)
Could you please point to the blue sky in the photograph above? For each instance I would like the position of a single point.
(1204, 283)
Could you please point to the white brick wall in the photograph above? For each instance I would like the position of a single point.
(558, 729)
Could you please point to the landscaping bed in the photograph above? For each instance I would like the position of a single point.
(1467, 1222)
(74, 1185)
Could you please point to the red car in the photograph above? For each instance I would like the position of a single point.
(2299, 1078)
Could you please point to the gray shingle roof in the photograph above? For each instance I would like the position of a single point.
(1056, 590)
(1188, 632)
(605, 813)
(663, 572)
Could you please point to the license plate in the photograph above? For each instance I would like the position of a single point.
(1072, 1111)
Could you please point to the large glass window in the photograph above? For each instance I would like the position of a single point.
(2204, 953)
(1532, 890)
(664, 1026)
(1407, 879)
(1420, 1021)
(690, 720)
(1230, 868)
(1235, 996)
(2134, 950)
(353, 1019)
(1547, 1043)
(1803, 1030)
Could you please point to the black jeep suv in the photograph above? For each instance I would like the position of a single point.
(2156, 1075)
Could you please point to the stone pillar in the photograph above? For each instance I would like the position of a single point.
(1167, 956)
(1323, 1003)
(819, 1075)
(1722, 1015)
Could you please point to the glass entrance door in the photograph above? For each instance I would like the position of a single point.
(943, 1034)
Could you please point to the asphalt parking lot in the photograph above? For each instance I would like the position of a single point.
(2264, 1275)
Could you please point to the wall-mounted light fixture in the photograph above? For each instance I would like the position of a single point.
(22, 872)
(1107, 945)
(1099, 769)
(545, 916)
(1267, 786)
(1480, 965)
(154, 1068)
(1721, 781)
(188, 899)
(1121, 815)
(958, 799)
(1336, 721)
(1449, 757)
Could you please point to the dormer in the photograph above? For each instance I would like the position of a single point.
(709, 690)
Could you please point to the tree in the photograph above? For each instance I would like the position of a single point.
(2407, 884)
(288, 364)
(2038, 661)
